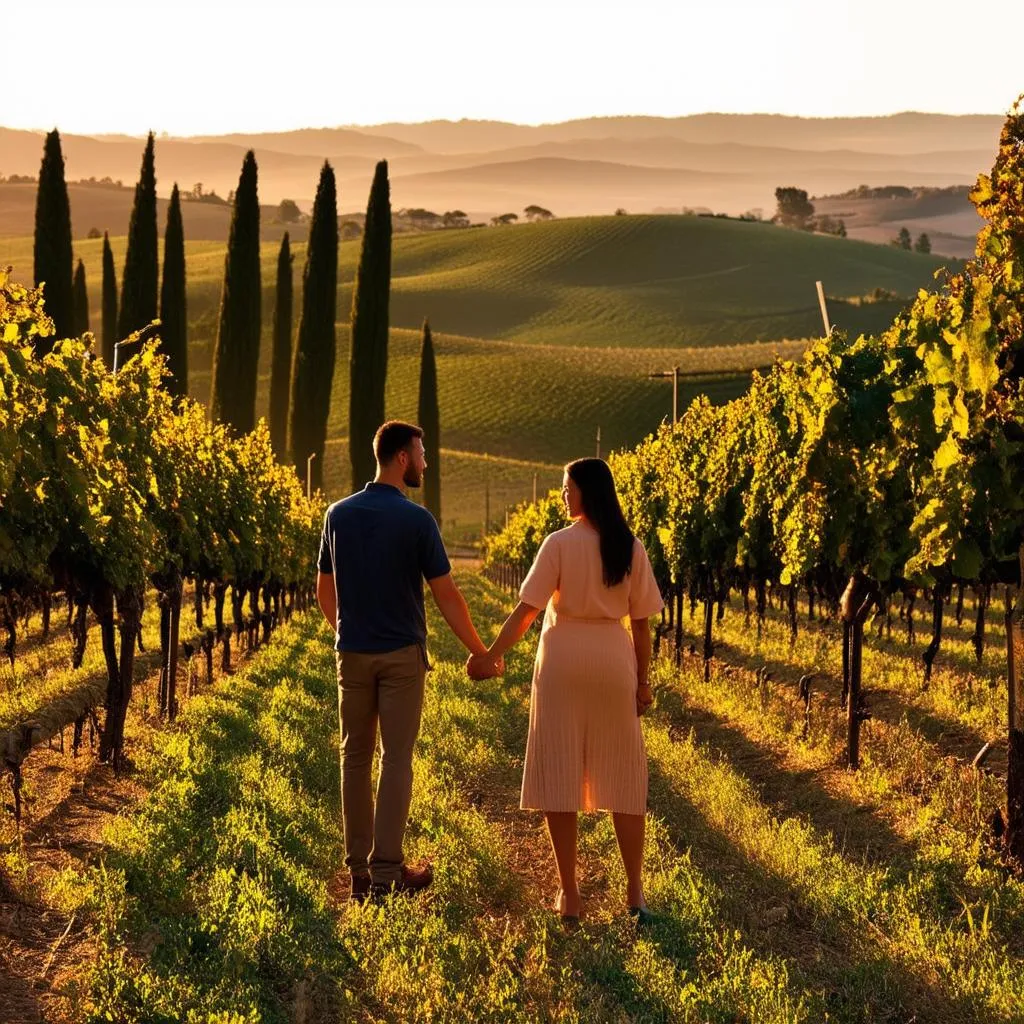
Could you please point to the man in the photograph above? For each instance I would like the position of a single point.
(376, 549)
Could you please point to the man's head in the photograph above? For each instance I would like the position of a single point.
(398, 448)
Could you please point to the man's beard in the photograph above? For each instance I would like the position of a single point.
(413, 477)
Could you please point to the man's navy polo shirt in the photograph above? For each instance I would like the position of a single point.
(380, 546)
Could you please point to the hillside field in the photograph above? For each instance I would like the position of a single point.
(643, 281)
(547, 332)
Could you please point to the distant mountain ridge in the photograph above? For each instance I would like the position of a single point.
(723, 162)
(904, 132)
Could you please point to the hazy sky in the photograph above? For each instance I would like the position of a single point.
(194, 68)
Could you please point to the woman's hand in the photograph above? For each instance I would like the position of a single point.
(644, 698)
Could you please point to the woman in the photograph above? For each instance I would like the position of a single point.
(585, 750)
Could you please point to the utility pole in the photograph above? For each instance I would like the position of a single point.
(674, 374)
(824, 308)
(535, 488)
(309, 476)
(599, 442)
(117, 352)
(151, 330)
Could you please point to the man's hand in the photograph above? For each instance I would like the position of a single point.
(484, 666)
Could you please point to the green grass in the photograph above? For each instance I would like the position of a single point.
(789, 889)
(894, 863)
(214, 900)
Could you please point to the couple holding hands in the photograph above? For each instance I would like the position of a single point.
(584, 749)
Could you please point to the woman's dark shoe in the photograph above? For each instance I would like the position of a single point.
(413, 880)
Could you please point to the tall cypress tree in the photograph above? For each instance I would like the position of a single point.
(109, 303)
(52, 253)
(281, 361)
(430, 421)
(313, 372)
(139, 284)
(80, 300)
(368, 360)
(237, 351)
(173, 320)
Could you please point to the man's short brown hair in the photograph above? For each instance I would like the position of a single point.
(391, 438)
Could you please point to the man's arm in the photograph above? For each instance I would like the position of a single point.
(453, 607)
(327, 598)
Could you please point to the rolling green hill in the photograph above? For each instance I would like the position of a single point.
(644, 281)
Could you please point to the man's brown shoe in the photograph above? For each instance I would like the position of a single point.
(413, 880)
(360, 888)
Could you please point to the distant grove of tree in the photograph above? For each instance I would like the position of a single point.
(93, 182)
(198, 194)
(903, 241)
(288, 212)
(419, 219)
(899, 192)
(795, 210)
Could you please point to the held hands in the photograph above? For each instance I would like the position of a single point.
(644, 698)
(485, 666)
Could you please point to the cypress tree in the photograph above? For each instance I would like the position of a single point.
(430, 421)
(52, 252)
(237, 351)
(80, 298)
(139, 284)
(174, 324)
(281, 361)
(313, 371)
(109, 303)
(368, 360)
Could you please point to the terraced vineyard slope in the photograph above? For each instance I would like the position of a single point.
(546, 332)
(635, 281)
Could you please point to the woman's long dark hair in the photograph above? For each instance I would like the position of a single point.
(602, 509)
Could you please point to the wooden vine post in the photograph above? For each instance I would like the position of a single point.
(120, 669)
(855, 605)
(1015, 744)
(709, 648)
(174, 599)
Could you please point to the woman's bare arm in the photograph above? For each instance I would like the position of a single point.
(641, 630)
(515, 627)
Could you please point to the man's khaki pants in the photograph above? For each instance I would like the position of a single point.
(385, 688)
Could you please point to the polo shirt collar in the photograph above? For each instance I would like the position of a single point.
(374, 485)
